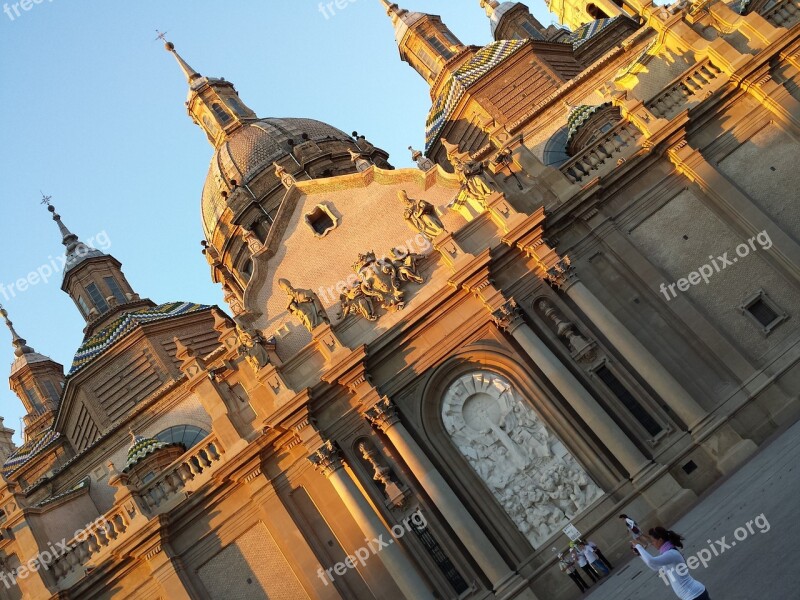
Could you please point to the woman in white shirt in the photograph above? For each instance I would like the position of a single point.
(671, 565)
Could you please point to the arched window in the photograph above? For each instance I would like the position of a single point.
(185, 435)
(555, 151)
(222, 115)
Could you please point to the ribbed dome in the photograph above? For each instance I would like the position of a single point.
(579, 115)
(250, 150)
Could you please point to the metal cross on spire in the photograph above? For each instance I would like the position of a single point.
(161, 36)
(45, 199)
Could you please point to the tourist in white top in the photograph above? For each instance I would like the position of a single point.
(579, 557)
(592, 559)
(671, 565)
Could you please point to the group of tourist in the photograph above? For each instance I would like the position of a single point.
(670, 563)
(586, 556)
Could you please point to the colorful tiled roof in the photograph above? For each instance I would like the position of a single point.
(141, 448)
(585, 32)
(84, 483)
(104, 339)
(578, 115)
(467, 74)
(28, 450)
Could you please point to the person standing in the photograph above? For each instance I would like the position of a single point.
(668, 563)
(567, 565)
(593, 559)
(597, 551)
(633, 528)
(580, 558)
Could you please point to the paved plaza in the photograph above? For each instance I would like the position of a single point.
(760, 565)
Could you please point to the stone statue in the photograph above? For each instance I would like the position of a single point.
(355, 302)
(421, 215)
(251, 346)
(405, 263)
(474, 185)
(304, 305)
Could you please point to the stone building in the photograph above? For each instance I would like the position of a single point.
(582, 302)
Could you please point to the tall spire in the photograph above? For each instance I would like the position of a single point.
(77, 251)
(213, 103)
(189, 72)
(20, 344)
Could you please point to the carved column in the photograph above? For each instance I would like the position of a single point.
(509, 318)
(506, 582)
(563, 276)
(328, 460)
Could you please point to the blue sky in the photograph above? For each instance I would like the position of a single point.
(93, 114)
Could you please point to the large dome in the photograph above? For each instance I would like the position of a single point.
(250, 150)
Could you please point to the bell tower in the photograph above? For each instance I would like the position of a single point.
(37, 380)
(425, 42)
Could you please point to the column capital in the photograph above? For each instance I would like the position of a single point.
(383, 415)
(562, 274)
(327, 459)
(508, 316)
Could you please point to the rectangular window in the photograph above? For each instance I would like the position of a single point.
(83, 307)
(51, 390)
(437, 44)
(446, 566)
(115, 290)
(33, 399)
(632, 404)
(99, 302)
(531, 30)
(763, 311)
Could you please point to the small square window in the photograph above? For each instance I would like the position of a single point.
(763, 311)
(321, 220)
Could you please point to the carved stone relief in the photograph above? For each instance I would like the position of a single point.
(534, 477)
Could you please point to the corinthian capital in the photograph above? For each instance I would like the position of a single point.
(508, 315)
(383, 415)
(327, 459)
(562, 274)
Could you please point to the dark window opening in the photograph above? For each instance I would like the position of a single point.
(632, 404)
(446, 566)
(51, 391)
(184, 435)
(99, 302)
(115, 290)
(221, 113)
(437, 45)
(762, 312)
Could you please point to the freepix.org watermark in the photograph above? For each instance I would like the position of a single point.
(330, 9)
(54, 266)
(361, 555)
(703, 557)
(718, 263)
(45, 559)
(15, 10)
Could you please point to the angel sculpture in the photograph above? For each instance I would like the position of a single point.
(355, 302)
(405, 263)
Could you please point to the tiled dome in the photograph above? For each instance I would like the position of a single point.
(250, 150)
(141, 448)
(579, 115)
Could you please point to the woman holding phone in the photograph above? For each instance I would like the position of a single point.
(671, 564)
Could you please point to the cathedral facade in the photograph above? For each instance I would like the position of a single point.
(578, 304)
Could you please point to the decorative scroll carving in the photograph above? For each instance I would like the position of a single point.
(383, 415)
(561, 274)
(379, 280)
(304, 305)
(421, 216)
(507, 315)
(530, 472)
(327, 459)
(355, 302)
